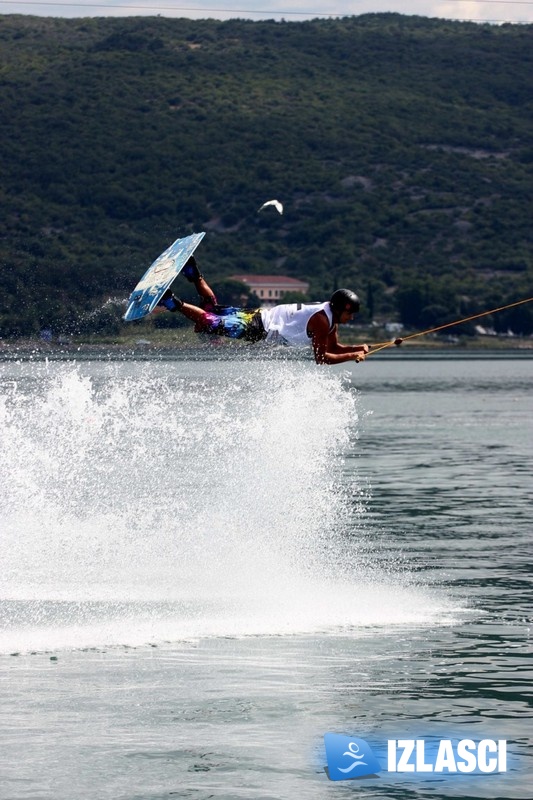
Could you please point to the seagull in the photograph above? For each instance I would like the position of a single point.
(277, 205)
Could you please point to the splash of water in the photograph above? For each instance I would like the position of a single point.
(150, 503)
(90, 321)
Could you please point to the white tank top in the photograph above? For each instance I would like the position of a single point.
(288, 323)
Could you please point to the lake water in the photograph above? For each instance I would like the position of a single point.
(209, 564)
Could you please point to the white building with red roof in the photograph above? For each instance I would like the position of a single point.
(270, 289)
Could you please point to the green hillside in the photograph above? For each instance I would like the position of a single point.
(400, 147)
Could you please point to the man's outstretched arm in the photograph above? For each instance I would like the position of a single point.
(325, 344)
(334, 346)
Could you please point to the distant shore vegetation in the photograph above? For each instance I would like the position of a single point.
(400, 148)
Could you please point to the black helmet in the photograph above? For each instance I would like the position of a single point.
(344, 300)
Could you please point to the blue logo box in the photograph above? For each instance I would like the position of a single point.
(348, 757)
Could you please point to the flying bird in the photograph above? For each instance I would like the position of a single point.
(277, 205)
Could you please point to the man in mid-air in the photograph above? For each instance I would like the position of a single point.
(295, 324)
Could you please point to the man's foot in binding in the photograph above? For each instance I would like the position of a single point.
(170, 301)
(190, 271)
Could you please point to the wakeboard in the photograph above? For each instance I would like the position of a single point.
(160, 275)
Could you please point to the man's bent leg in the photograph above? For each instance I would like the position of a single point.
(191, 272)
(233, 322)
(195, 314)
(208, 296)
(173, 303)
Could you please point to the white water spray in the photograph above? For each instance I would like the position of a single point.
(148, 502)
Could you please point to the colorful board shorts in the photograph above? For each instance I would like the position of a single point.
(234, 322)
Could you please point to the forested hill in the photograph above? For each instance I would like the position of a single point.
(400, 147)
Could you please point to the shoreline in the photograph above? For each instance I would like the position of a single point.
(146, 343)
(32, 350)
